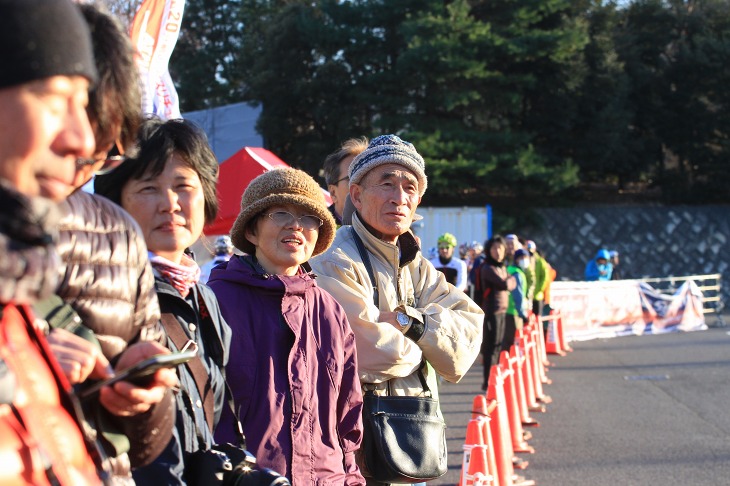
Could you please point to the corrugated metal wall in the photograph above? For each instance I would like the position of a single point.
(466, 223)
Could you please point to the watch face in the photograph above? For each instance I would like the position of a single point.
(402, 319)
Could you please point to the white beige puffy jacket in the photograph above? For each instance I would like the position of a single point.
(453, 322)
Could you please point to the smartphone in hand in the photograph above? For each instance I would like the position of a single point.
(141, 373)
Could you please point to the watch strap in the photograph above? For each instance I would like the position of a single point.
(416, 330)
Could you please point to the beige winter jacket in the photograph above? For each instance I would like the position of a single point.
(453, 322)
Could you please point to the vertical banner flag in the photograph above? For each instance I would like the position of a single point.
(154, 33)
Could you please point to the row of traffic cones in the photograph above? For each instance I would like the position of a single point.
(498, 429)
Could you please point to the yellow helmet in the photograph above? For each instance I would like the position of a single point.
(447, 239)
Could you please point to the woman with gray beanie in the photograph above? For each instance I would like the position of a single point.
(292, 371)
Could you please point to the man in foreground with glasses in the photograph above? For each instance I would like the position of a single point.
(412, 321)
(292, 370)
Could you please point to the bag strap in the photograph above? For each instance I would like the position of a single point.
(218, 358)
(179, 338)
(195, 366)
(236, 418)
(369, 388)
(56, 312)
(368, 266)
(366, 261)
(205, 314)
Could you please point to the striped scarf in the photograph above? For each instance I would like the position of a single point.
(181, 276)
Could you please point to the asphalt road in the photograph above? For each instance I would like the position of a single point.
(636, 410)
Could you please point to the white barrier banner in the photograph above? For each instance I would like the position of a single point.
(605, 309)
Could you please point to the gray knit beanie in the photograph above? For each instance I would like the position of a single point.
(389, 149)
(41, 39)
(283, 186)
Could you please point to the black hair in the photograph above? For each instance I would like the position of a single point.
(496, 239)
(158, 141)
(351, 147)
(115, 101)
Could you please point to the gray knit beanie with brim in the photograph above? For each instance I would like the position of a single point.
(280, 187)
(41, 39)
(389, 149)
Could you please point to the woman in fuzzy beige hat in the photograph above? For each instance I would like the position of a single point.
(292, 371)
(281, 187)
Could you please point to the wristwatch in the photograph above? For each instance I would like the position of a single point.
(403, 320)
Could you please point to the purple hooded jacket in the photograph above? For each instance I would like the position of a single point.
(293, 374)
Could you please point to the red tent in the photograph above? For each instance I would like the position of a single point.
(235, 174)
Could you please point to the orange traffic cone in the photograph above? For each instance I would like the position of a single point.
(489, 442)
(561, 335)
(499, 425)
(474, 438)
(480, 411)
(542, 354)
(478, 473)
(534, 361)
(532, 403)
(519, 444)
(479, 406)
(552, 345)
(518, 361)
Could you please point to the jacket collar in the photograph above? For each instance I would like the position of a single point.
(404, 251)
(241, 269)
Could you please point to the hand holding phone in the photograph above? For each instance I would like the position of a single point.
(142, 373)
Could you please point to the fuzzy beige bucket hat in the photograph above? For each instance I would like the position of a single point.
(283, 186)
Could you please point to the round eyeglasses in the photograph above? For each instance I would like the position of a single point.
(285, 218)
(111, 162)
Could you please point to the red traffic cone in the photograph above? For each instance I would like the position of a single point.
(561, 335)
(479, 406)
(478, 472)
(517, 361)
(489, 442)
(474, 439)
(519, 444)
(528, 378)
(542, 354)
(535, 362)
(552, 344)
(499, 425)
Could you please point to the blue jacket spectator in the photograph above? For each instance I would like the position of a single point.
(599, 268)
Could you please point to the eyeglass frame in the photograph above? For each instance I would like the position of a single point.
(293, 218)
(346, 178)
(113, 161)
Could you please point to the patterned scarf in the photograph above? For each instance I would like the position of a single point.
(182, 276)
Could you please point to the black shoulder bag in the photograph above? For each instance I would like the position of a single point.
(404, 437)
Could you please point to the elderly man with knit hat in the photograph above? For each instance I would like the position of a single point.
(292, 371)
(408, 320)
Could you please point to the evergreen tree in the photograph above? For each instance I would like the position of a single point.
(503, 98)
(607, 149)
(203, 64)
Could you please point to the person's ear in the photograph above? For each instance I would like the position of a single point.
(249, 233)
(356, 195)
